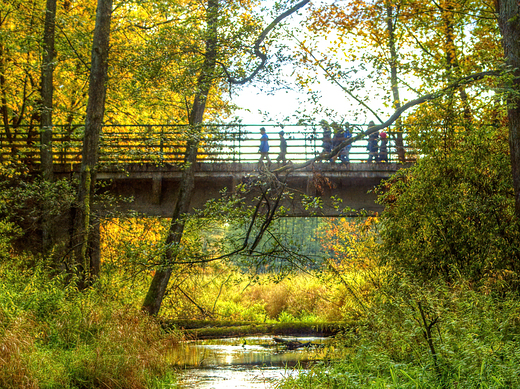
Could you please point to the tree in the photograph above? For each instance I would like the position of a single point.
(509, 22)
(205, 82)
(47, 90)
(391, 21)
(18, 82)
(86, 261)
(155, 295)
(401, 45)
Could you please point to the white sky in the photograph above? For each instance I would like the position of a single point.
(282, 104)
(285, 103)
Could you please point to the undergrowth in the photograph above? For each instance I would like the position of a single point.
(436, 337)
(230, 295)
(53, 336)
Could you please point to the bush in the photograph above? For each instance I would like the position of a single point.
(30, 205)
(452, 216)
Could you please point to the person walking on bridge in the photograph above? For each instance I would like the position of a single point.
(264, 148)
(372, 143)
(345, 151)
(283, 148)
(383, 147)
(327, 137)
(338, 138)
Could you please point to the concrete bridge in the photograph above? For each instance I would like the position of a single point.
(154, 188)
(142, 162)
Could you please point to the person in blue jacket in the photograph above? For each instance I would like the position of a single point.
(264, 147)
(344, 154)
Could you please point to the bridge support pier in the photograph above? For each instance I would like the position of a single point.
(156, 190)
(234, 183)
(310, 187)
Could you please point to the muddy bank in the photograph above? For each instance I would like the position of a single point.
(202, 329)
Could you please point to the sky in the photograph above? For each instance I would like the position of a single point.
(281, 104)
(285, 103)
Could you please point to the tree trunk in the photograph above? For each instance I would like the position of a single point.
(157, 290)
(393, 78)
(82, 237)
(509, 23)
(47, 90)
(452, 62)
(3, 104)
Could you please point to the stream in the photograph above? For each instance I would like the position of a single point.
(249, 362)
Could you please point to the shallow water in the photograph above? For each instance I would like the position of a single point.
(250, 362)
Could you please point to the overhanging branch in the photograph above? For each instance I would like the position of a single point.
(398, 112)
(258, 53)
(335, 81)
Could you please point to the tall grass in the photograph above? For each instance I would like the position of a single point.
(229, 294)
(52, 336)
(473, 343)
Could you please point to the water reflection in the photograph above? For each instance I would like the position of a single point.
(251, 362)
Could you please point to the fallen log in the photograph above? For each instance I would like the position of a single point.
(205, 329)
(292, 344)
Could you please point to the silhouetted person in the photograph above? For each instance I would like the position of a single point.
(264, 147)
(338, 138)
(327, 138)
(372, 143)
(283, 149)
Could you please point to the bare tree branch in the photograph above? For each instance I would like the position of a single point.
(335, 81)
(71, 45)
(259, 41)
(398, 112)
(268, 219)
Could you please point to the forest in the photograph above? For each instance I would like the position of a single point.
(424, 294)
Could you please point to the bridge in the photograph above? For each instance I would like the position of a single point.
(145, 163)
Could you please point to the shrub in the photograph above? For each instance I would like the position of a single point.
(452, 214)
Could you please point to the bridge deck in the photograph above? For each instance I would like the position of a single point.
(154, 188)
(222, 169)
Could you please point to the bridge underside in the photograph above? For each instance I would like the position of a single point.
(154, 189)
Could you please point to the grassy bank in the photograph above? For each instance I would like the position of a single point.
(455, 337)
(53, 336)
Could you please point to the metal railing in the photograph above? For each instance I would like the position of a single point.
(166, 144)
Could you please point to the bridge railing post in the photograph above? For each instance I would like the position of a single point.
(240, 135)
(235, 134)
(161, 145)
